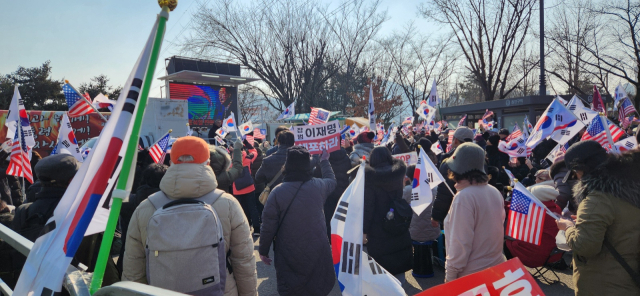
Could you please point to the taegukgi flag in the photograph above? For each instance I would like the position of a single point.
(67, 143)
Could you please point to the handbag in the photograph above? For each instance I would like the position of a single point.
(635, 276)
(267, 189)
(244, 180)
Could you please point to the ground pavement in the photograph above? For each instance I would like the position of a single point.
(267, 280)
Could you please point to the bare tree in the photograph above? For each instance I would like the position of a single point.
(490, 35)
(251, 105)
(293, 46)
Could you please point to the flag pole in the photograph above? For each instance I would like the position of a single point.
(125, 179)
(85, 99)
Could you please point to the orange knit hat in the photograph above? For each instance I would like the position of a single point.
(193, 146)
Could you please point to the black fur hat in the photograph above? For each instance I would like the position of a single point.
(298, 159)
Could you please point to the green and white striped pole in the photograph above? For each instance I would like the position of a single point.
(125, 180)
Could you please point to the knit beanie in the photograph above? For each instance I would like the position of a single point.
(365, 137)
(504, 131)
(585, 156)
(192, 146)
(494, 140)
(544, 192)
(298, 159)
(425, 143)
(467, 157)
(58, 168)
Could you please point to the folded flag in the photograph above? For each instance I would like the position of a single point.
(372, 110)
(17, 117)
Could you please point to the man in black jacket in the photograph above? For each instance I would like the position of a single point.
(273, 163)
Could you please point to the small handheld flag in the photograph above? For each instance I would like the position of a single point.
(319, 116)
(159, 149)
(101, 101)
(67, 143)
(526, 216)
(246, 128)
(19, 164)
(288, 112)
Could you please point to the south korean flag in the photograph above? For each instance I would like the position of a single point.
(425, 177)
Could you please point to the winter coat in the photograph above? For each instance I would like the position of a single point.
(247, 160)
(421, 229)
(302, 253)
(443, 197)
(225, 175)
(193, 181)
(257, 162)
(533, 255)
(496, 158)
(271, 150)
(565, 199)
(360, 150)
(271, 165)
(340, 164)
(520, 172)
(382, 185)
(608, 208)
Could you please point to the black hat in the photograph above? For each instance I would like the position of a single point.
(297, 159)
(425, 143)
(585, 156)
(57, 169)
(504, 131)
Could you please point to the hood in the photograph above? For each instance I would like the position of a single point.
(364, 147)
(388, 177)
(188, 180)
(618, 176)
(220, 159)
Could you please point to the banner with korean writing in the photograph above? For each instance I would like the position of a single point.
(318, 137)
(408, 158)
(45, 126)
(503, 279)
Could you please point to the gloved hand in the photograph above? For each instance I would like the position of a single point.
(325, 155)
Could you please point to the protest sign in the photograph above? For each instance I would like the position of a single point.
(408, 158)
(318, 137)
(502, 279)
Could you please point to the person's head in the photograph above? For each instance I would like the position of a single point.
(190, 149)
(503, 133)
(583, 157)
(286, 138)
(494, 140)
(152, 175)
(365, 137)
(544, 192)
(426, 146)
(298, 160)
(218, 122)
(380, 156)
(461, 135)
(278, 130)
(219, 159)
(478, 139)
(57, 170)
(467, 163)
(542, 175)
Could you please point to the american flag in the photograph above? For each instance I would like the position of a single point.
(257, 134)
(526, 217)
(19, 165)
(616, 132)
(596, 132)
(318, 116)
(516, 132)
(408, 120)
(78, 106)
(249, 139)
(449, 147)
(487, 114)
(461, 123)
(159, 149)
(626, 109)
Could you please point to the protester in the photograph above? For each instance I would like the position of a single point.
(474, 225)
(246, 194)
(363, 148)
(274, 149)
(607, 220)
(519, 169)
(255, 166)
(293, 220)
(223, 167)
(533, 255)
(190, 176)
(558, 172)
(503, 133)
(383, 191)
(273, 164)
(212, 131)
(495, 157)
(542, 177)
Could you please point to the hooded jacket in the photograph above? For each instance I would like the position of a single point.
(192, 181)
(302, 254)
(608, 208)
(220, 162)
(360, 150)
(382, 185)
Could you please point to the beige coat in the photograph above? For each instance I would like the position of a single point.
(193, 181)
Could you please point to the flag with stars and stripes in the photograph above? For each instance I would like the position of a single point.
(526, 216)
(78, 106)
(318, 116)
(159, 149)
(616, 132)
(516, 132)
(258, 134)
(461, 122)
(19, 164)
(626, 110)
(487, 114)
(596, 131)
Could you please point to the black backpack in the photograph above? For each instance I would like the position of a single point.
(401, 221)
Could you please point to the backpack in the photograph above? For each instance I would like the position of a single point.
(185, 250)
(402, 217)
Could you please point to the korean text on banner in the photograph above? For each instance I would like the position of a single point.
(318, 137)
(408, 158)
(502, 279)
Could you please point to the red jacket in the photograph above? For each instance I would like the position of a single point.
(530, 254)
(246, 162)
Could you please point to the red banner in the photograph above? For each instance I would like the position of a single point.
(509, 278)
(45, 125)
(318, 137)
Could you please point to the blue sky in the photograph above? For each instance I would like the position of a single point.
(85, 38)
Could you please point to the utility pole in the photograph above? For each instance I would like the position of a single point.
(543, 83)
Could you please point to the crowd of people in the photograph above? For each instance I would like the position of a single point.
(287, 198)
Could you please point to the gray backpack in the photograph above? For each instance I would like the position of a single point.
(185, 245)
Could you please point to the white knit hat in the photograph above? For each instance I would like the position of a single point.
(544, 192)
